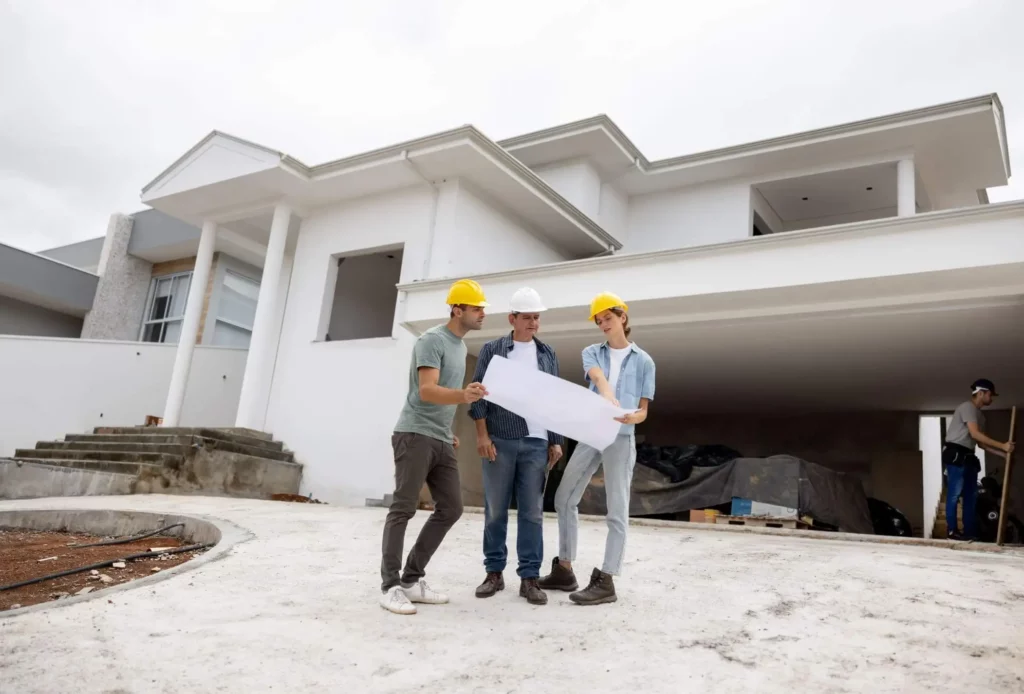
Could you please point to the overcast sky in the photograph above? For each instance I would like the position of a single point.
(97, 98)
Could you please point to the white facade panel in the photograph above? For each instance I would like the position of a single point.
(474, 236)
(54, 387)
(336, 403)
(578, 182)
(693, 216)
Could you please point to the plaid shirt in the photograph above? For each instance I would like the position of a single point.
(500, 422)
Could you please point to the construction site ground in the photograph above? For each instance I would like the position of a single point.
(294, 608)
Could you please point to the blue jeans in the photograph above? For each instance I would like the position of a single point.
(521, 465)
(962, 481)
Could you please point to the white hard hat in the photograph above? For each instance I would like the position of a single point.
(525, 300)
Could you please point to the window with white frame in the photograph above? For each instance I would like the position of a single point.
(165, 309)
(236, 311)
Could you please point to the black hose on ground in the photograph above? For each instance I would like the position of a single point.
(130, 539)
(103, 565)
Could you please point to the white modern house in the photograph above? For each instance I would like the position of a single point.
(815, 293)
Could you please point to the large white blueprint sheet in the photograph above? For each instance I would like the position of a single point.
(555, 404)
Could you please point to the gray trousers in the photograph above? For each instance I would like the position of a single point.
(419, 459)
(618, 461)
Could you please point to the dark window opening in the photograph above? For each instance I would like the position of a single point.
(365, 294)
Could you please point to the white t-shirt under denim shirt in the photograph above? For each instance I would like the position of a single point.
(615, 368)
(634, 379)
(526, 353)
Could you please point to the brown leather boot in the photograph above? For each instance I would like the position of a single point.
(491, 585)
(529, 589)
(560, 578)
(600, 590)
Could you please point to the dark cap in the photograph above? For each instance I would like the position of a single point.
(983, 384)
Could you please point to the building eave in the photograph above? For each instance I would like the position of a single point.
(410, 148)
(757, 147)
(1015, 207)
(199, 145)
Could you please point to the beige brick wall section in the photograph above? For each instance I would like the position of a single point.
(184, 265)
(206, 298)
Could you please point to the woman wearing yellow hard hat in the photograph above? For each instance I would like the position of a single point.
(624, 374)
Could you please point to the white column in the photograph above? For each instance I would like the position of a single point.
(258, 366)
(190, 325)
(906, 193)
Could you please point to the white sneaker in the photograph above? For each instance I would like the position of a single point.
(395, 600)
(421, 592)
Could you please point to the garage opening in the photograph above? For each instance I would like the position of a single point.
(831, 420)
(362, 294)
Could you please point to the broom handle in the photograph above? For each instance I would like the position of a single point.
(1006, 481)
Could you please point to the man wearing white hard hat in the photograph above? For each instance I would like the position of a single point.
(516, 454)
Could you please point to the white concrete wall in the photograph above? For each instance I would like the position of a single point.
(578, 182)
(692, 216)
(52, 387)
(336, 403)
(931, 470)
(614, 214)
(473, 235)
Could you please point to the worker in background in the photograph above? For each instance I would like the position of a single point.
(966, 429)
(623, 374)
(516, 454)
(424, 448)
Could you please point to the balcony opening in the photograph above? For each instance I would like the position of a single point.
(361, 295)
(826, 199)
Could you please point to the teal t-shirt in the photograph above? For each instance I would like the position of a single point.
(438, 348)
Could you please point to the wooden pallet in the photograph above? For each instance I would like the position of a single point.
(751, 521)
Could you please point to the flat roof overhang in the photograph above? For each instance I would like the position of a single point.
(965, 138)
(45, 282)
(890, 249)
(788, 302)
(224, 178)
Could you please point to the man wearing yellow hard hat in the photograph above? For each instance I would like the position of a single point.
(424, 447)
(624, 374)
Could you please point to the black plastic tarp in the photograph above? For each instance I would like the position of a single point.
(827, 496)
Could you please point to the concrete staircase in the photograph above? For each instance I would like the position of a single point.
(139, 460)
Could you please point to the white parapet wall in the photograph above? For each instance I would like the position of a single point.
(52, 387)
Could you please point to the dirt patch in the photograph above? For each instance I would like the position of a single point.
(28, 554)
(295, 498)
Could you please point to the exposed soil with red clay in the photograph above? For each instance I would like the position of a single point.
(21, 551)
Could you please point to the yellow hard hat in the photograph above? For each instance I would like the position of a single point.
(466, 292)
(605, 301)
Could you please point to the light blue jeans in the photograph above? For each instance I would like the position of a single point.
(618, 461)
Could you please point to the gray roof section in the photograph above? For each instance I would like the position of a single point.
(41, 281)
(154, 229)
(84, 254)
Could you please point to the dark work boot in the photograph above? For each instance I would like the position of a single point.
(491, 585)
(529, 589)
(560, 578)
(600, 590)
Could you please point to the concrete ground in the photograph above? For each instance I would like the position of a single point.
(294, 609)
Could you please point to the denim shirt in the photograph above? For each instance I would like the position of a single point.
(501, 423)
(636, 376)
